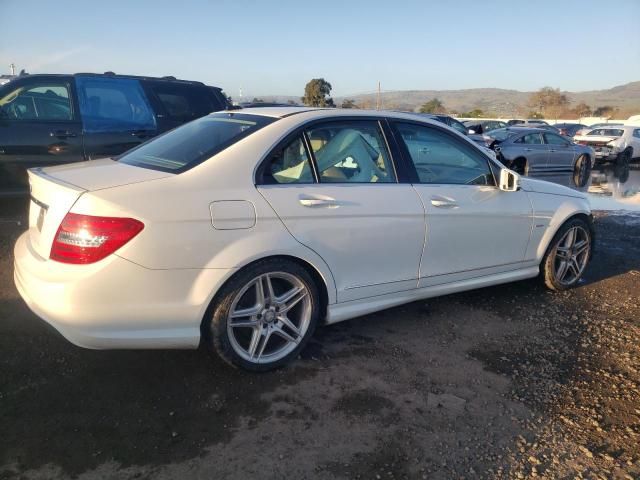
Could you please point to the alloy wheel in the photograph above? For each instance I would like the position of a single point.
(269, 317)
(572, 255)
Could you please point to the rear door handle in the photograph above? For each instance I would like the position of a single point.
(62, 134)
(443, 202)
(317, 202)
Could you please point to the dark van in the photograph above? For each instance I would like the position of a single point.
(54, 119)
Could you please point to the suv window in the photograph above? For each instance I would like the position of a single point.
(113, 105)
(43, 101)
(351, 152)
(439, 158)
(290, 164)
(553, 139)
(183, 102)
(187, 146)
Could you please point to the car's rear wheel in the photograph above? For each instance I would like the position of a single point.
(567, 255)
(581, 171)
(264, 316)
(624, 158)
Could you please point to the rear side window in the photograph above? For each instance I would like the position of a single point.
(290, 164)
(184, 102)
(187, 146)
(47, 101)
(530, 139)
(113, 105)
(553, 139)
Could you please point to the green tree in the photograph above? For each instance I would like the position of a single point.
(475, 113)
(604, 111)
(582, 110)
(316, 93)
(348, 104)
(548, 101)
(433, 106)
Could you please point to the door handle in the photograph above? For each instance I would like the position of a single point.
(528, 149)
(552, 151)
(142, 133)
(443, 202)
(316, 202)
(62, 134)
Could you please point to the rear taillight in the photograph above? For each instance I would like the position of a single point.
(87, 239)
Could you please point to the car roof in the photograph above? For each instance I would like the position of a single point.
(316, 112)
(167, 78)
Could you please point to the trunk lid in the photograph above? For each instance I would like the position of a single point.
(54, 190)
(595, 141)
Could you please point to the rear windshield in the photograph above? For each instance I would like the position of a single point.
(606, 132)
(193, 143)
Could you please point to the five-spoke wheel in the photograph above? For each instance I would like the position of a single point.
(567, 255)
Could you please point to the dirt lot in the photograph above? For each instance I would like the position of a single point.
(503, 382)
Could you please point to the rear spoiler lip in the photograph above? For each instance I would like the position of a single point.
(38, 171)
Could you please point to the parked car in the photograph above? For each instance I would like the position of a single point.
(55, 119)
(458, 126)
(584, 131)
(569, 129)
(535, 150)
(245, 229)
(529, 122)
(619, 144)
(483, 126)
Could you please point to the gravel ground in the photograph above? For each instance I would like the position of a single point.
(504, 382)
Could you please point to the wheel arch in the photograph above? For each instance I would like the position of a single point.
(583, 215)
(314, 272)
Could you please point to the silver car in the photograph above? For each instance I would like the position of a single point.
(535, 150)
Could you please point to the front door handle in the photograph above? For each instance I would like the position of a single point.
(317, 202)
(443, 202)
(62, 134)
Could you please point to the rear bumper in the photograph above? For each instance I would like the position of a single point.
(115, 303)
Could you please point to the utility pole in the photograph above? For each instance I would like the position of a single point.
(378, 97)
(12, 67)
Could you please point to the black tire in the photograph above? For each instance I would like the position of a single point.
(520, 166)
(582, 171)
(215, 332)
(624, 158)
(548, 264)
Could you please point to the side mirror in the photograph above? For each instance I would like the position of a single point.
(509, 180)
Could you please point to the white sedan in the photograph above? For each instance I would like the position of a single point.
(245, 229)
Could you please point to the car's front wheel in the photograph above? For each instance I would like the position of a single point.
(567, 255)
(264, 316)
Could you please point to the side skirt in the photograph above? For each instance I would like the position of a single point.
(346, 310)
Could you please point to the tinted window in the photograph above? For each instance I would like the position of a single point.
(45, 101)
(440, 158)
(113, 105)
(289, 165)
(553, 139)
(530, 139)
(351, 152)
(184, 102)
(191, 144)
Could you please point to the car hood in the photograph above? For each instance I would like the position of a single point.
(541, 186)
(99, 174)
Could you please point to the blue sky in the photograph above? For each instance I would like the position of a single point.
(275, 47)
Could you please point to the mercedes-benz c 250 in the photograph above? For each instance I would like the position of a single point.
(245, 229)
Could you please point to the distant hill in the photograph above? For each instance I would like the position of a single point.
(495, 101)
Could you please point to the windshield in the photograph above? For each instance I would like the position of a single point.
(194, 142)
(606, 132)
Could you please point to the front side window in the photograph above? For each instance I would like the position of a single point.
(441, 159)
(113, 105)
(290, 164)
(195, 142)
(47, 101)
(530, 139)
(553, 139)
(351, 152)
